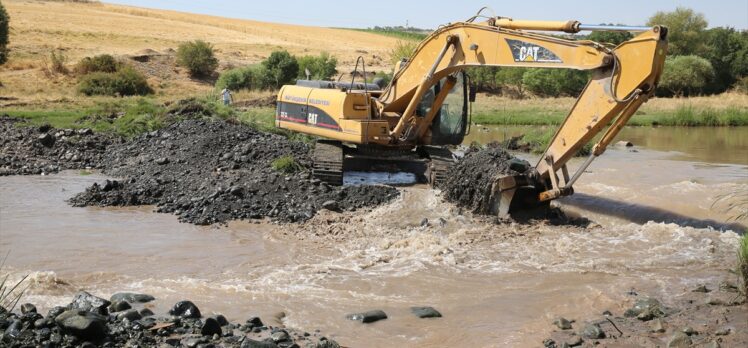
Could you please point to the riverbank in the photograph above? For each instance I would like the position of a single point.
(727, 109)
(127, 320)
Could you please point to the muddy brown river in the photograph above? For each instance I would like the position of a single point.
(660, 233)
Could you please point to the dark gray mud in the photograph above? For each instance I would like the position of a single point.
(46, 150)
(214, 171)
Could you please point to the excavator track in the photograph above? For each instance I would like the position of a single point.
(441, 161)
(328, 162)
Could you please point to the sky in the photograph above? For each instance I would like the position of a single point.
(430, 14)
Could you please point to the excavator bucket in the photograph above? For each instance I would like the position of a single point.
(513, 193)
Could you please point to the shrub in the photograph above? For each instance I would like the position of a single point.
(743, 262)
(251, 77)
(101, 63)
(286, 164)
(282, 68)
(57, 62)
(126, 81)
(197, 56)
(4, 21)
(554, 82)
(685, 29)
(685, 75)
(512, 78)
(322, 67)
(402, 49)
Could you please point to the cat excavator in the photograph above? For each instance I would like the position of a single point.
(409, 123)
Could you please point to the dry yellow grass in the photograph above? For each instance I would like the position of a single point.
(85, 29)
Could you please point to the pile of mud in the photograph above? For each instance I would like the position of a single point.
(213, 171)
(44, 150)
(469, 182)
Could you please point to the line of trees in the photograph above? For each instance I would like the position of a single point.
(700, 61)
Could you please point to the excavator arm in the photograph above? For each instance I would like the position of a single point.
(622, 79)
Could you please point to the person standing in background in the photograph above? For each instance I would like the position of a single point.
(227, 97)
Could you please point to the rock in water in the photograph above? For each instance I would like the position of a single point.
(131, 297)
(130, 314)
(119, 306)
(368, 317)
(593, 331)
(562, 323)
(645, 309)
(185, 309)
(331, 205)
(425, 312)
(211, 327)
(679, 340)
(83, 324)
(28, 308)
(87, 302)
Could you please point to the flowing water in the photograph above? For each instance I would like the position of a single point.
(661, 233)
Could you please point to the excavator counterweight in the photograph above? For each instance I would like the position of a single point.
(408, 123)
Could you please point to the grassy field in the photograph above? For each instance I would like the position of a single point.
(78, 30)
(728, 109)
(399, 34)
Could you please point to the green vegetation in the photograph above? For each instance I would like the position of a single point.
(105, 63)
(4, 26)
(685, 28)
(555, 82)
(398, 32)
(253, 77)
(10, 293)
(57, 62)
(402, 49)
(282, 68)
(685, 75)
(322, 67)
(683, 116)
(286, 164)
(277, 70)
(611, 37)
(197, 56)
(124, 82)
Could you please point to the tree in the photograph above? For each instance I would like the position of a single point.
(555, 82)
(512, 78)
(726, 49)
(685, 29)
(322, 67)
(282, 68)
(197, 56)
(685, 75)
(613, 37)
(4, 28)
(484, 78)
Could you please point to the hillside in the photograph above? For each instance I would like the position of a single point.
(86, 29)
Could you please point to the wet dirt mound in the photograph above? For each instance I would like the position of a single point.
(213, 171)
(469, 182)
(43, 149)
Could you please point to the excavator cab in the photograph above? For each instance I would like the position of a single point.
(451, 123)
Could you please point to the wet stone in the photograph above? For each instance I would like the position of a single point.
(185, 309)
(575, 341)
(723, 331)
(593, 331)
(211, 327)
(425, 312)
(130, 314)
(28, 308)
(679, 340)
(82, 324)
(85, 301)
(145, 312)
(701, 288)
(250, 343)
(119, 306)
(132, 297)
(368, 317)
(562, 323)
(656, 326)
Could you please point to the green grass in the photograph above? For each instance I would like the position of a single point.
(539, 139)
(286, 164)
(684, 116)
(400, 34)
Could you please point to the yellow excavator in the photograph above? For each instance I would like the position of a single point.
(410, 122)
